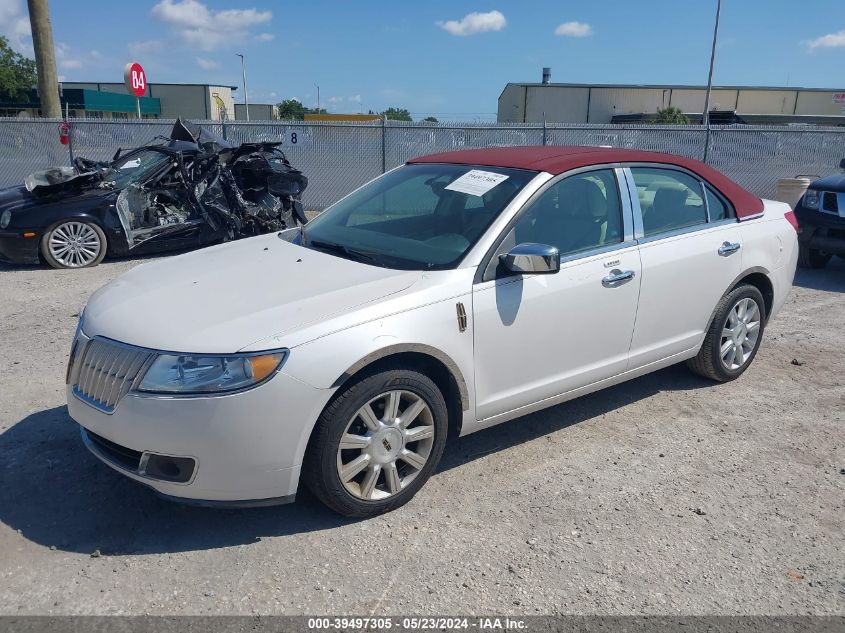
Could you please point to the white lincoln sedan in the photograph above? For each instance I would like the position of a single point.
(455, 292)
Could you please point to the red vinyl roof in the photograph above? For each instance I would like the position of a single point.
(559, 159)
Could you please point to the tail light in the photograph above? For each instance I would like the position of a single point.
(789, 216)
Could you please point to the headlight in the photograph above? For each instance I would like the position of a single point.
(811, 199)
(5, 219)
(183, 374)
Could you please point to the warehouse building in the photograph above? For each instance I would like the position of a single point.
(615, 103)
(110, 100)
(189, 101)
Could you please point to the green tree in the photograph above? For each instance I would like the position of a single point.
(293, 110)
(397, 114)
(431, 119)
(17, 73)
(671, 116)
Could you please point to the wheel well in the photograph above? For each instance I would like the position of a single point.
(425, 364)
(764, 285)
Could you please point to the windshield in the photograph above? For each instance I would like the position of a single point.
(417, 217)
(134, 167)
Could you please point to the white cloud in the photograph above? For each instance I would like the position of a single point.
(14, 24)
(831, 40)
(265, 37)
(207, 29)
(145, 48)
(355, 98)
(475, 23)
(574, 29)
(335, 99)
(207, 64)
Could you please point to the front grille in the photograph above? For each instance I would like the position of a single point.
(830, 202)
(115, 453)
(107, 371)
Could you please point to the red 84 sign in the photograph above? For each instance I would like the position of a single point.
(135, 79)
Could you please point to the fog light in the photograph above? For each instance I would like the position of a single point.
(166, 468)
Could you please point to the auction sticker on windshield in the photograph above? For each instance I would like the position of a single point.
(476, 182)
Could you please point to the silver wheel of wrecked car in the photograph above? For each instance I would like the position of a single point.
(74, 244)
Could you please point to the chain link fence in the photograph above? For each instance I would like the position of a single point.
(339, 157)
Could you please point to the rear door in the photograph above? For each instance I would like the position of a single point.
(690, 250)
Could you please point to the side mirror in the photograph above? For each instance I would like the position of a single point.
(532, 259)
(842, 164)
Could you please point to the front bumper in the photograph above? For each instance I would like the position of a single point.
(17, 249)
(821, 231)
(245, 448)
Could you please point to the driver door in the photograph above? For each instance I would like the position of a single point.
(541, 335)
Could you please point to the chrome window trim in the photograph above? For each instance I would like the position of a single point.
(481, 274)
(694, 228)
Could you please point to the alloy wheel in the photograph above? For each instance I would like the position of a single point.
(385, 445)
(740, 333)
(74, 244)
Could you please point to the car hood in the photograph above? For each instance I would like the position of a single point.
(223, 298)
(836, 182)
(18, 199)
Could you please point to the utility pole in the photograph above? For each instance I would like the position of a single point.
(246, 95)
(318, 98)
(45, 58)
(710, 82)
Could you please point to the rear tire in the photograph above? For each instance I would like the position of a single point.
(376, 443)
(734, 335)
(811, 257)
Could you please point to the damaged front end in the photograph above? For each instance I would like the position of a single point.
(192, 182)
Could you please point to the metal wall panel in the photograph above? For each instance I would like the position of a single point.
(557, 104)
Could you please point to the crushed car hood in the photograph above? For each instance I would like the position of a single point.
(221, 299)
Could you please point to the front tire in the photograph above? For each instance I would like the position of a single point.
(811, 257)
(74, 244)
(734, 335)
(376, 443)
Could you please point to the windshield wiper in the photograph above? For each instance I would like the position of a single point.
(349, 253)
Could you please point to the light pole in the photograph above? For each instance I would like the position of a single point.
(318, 98)
(710, 82)
(246, 95)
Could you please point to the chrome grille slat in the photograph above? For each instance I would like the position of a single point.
(107, 371)
(125, 364)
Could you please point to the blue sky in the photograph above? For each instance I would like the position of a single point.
(445, 58)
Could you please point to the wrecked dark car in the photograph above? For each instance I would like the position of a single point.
(189, 190)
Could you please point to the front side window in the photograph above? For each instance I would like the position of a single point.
(578, 213)
(418, 217)
(669, 199)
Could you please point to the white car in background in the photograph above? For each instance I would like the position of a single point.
(453, 293)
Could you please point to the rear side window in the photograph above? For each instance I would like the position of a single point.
(717, 208)
(669, 199)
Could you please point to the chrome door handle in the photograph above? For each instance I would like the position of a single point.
(729, 248)
(617, 277)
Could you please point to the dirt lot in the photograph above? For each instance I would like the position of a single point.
(666, 495)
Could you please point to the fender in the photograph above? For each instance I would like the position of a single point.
(400, 348)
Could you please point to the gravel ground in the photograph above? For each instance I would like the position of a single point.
(665, 495)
